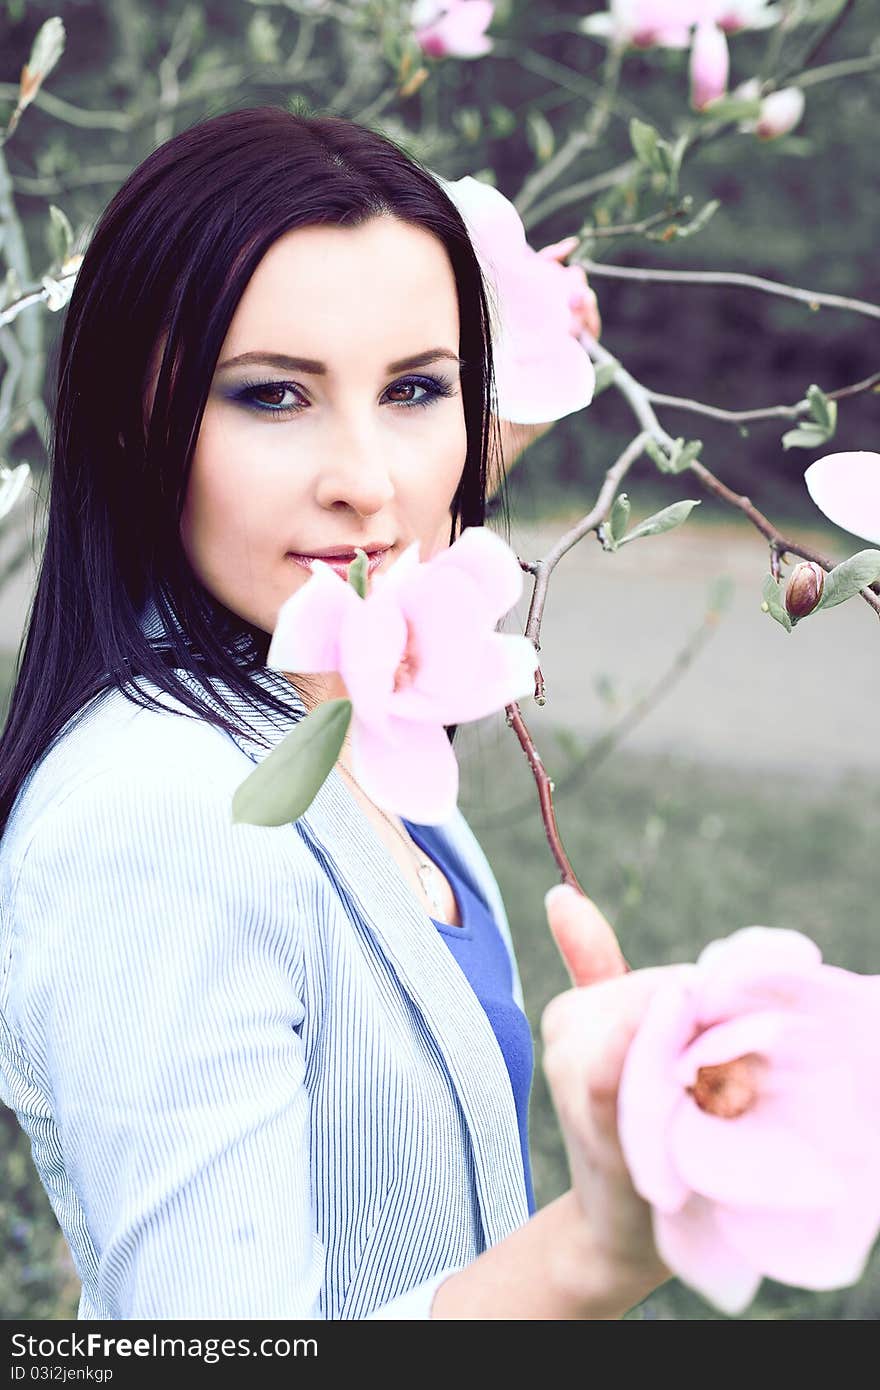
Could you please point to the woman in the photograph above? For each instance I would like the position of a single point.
(256, 1079)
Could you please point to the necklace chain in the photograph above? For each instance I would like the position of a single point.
(428, 875)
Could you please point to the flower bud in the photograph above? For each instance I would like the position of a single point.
(804, 590)
(709, 66)
(780, 113)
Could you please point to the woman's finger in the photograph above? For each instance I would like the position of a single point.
(585, 938)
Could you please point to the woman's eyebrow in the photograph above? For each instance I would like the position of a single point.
(315, 368)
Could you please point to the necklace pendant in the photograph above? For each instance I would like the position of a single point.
(427, 875)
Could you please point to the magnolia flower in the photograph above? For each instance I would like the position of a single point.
(846, 487)
(645, 23)
(542, 372)
(452, 28)
(418, 653)
(668, 23)
(709, 65)
(748, 1116)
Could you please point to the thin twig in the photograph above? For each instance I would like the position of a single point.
(847, 67)
(772, 412)
(818, 42)
(75, 178)
(578, 192)
(814, 298)
(543, 568)
(545, 794)
(634, 228)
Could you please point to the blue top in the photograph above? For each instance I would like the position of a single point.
(480, 951)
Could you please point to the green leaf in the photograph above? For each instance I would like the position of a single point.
(685, 455)
(677, 458)
(819, 403)
(502, 121)
(733, 109)
(619, 518)
(644, 139)
(808, 436)
(666, 520)
(774, 603)
(604, 377)
(697, 223)
(540, 135)
(285, 783)
(849, 578)
(357, 573)
(823, 410)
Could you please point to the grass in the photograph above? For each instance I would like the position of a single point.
(675, 854)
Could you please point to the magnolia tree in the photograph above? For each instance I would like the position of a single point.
(746, 1176)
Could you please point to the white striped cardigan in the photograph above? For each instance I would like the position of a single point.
(256, 1081)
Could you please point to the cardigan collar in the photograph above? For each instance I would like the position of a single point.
(404, 932)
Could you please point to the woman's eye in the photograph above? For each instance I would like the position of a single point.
(271, 396)
(420, 391)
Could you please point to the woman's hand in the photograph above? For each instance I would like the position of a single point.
(586, 1033)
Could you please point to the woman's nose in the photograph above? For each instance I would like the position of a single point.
(358, 474)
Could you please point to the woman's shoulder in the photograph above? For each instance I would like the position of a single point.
(115, 747)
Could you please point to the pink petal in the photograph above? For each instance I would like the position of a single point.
(710, 65)
(399, 574)
(761, 948)
(383, 764)
(780, 112)
(463, 669)
(542, 373)
(500, 669)
(649, 1093)
(371, 644)
(491, 564)
(723, 1042)
(811, 1250)
(306, 634)
(750, 1161)
(694, 1246)
(544, 380)
(494, 223)
(558, 250)
(846, 487)
(459, 31)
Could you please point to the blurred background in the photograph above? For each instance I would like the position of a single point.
(712, 771)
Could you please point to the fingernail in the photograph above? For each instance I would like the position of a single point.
(558, 890)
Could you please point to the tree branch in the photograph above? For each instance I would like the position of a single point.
(813, 298)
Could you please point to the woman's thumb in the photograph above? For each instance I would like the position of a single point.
(586, 941)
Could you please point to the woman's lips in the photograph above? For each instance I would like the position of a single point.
(340, 566)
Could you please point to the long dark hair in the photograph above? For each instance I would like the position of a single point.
(172, 254)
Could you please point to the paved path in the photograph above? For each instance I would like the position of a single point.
(755, 696)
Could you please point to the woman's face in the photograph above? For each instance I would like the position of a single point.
(350, 448)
